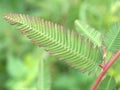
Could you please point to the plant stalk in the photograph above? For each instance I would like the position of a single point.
(105, 69)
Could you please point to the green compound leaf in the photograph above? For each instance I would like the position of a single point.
(88, 32)
(112, 40)
(67, 45)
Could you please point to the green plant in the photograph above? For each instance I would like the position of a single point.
(86, 50)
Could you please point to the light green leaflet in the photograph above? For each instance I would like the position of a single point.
(112, 40)
(88, 32)
(67, 45)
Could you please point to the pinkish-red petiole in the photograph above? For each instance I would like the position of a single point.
(105, 68)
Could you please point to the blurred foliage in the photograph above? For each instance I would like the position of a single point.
(107, 84)
(19, 59)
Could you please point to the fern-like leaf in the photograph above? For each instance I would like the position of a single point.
(64, 44)
(112, 40)
(89, 33)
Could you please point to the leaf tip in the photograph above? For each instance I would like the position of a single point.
(10, 18)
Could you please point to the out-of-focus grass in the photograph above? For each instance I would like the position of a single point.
(19, 58)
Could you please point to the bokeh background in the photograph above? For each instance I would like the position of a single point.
(19, 58)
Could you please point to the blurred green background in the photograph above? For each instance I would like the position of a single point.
(19, 58)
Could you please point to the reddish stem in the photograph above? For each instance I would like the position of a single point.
(105, 69)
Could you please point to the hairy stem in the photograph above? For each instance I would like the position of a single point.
(105, 69)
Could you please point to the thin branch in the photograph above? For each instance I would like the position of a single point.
(105, 69)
